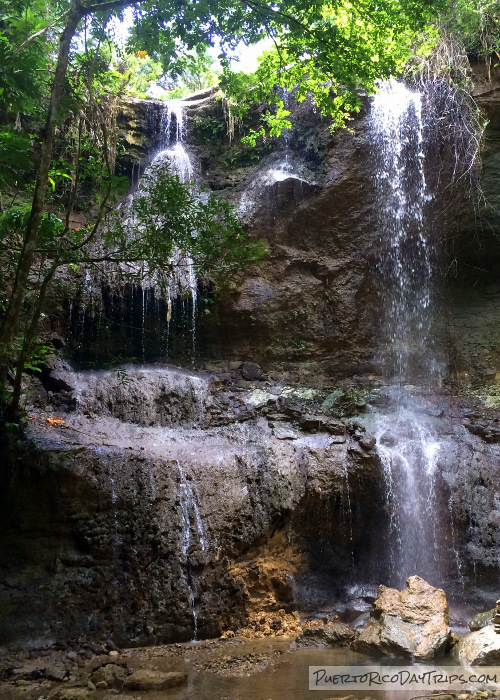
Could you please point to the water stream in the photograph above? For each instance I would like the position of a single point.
(191, 519)
(176, 155)
(182, 283)
(407, 438)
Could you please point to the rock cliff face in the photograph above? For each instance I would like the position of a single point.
(157, 504)
(311, 307)
(154, 504)
(474, 292)
(141, 532)
(310, 304)
(314, 305)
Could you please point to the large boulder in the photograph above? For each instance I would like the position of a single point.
(109, 676)
(480, 648)
(408, 624)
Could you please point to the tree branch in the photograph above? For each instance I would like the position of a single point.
(288, 18)
(109, 6)
(39, 33)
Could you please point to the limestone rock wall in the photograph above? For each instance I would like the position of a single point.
(132, 527)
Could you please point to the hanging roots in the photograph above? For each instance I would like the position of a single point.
(444, 79)
(231, 120)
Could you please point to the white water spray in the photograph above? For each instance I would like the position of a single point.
(406, 263)
(407, 439)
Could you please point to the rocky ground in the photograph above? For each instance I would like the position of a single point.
(411, 624)
(180, 671)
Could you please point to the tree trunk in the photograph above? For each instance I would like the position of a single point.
(28, 342)
(11, 321)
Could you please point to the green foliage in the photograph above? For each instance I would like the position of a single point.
(329, 52)
(242, 159)
(24, 75)
(168, 216)
(140, 73)
(477, 24)
(15, 155)
(209, 128)
(13, 223)
(39, 354)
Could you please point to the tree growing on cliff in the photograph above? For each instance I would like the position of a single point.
(330, 49)
(165, 216)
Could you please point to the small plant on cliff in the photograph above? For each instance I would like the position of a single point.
(209, 128)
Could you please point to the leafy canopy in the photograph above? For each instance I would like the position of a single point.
(329, 50)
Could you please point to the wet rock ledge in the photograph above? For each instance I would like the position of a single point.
(156, 505)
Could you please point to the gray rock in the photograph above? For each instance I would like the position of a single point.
(70, 694)
(481, 648)
(57, 341)
(335, 427)
(337, 439)
(313, 423)
(145, 679)
(361, 621)
(165, 397)
(284, 433)
(112, 675)
(57, 375)
(407, 624)
(251, 371)
(368, 441)
(322, 423)
(55, 672)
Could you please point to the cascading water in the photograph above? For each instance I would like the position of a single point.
(191, 519)
(152, 319)
(180, 164)
(284, 168)
(407, 263)
(183, 279)
(407, 440)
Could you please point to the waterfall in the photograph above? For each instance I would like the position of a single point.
(129, 311)
(182, 282)
(180, 163)
(407, 261)
(408, 443)
(409, 449)
(190, 511)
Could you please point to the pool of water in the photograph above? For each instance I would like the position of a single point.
(260, 670)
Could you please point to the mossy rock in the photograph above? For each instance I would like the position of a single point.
(344, 402)
(481, 620)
